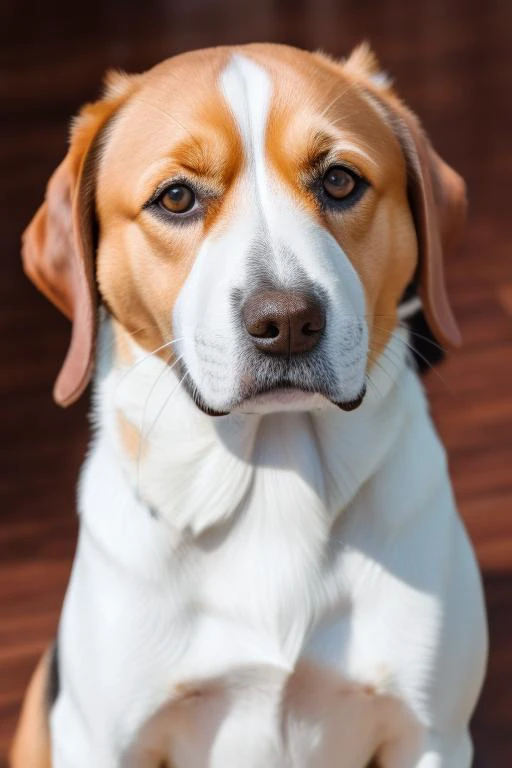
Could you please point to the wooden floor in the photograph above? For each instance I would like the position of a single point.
(452, 61)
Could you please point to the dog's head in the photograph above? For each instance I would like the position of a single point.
(264, 207)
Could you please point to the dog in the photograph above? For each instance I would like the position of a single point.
(270, 570)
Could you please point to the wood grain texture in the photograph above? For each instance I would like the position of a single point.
(452, 62)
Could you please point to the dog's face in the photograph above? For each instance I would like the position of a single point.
(255, 207)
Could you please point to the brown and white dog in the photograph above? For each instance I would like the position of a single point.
(270, 570)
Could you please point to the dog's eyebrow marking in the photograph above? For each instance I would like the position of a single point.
(323, 143)
(247, 89)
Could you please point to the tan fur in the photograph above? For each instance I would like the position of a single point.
(123, 349)
(31, 745)
(130, 436)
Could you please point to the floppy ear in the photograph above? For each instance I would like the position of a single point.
(58, 245)
(437, 197)
(437, 193)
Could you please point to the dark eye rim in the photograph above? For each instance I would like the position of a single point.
(327, 201)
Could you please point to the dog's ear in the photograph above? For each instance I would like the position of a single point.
(436, 193)
(437, 196)
(363, 63)
(58, 245)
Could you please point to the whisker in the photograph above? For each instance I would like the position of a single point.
(376, 361)
(335, 100)
(165, 369)
(423, 337)
(410, 331)
(374, 386)
(347, 111)
(112, 343)
(146, 357)
(422, 357)
(166, 401)
(168, 114)
(387, 351)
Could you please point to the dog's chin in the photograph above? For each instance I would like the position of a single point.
(282, 399)
(279, 399)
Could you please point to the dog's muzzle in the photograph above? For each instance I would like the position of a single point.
(282, 345)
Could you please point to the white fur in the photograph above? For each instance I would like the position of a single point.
(287, 588)
(283, 541)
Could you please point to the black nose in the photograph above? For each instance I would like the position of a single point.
(282, 323)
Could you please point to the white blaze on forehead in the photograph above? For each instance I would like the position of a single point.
(247, 89)
(265, 205)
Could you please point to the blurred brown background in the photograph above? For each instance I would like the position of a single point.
(452, 62)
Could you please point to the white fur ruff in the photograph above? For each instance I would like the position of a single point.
(307, 577)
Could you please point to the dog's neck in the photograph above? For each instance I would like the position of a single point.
(196, 471)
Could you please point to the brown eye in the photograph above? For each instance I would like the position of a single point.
(177, 199)
(338, 182)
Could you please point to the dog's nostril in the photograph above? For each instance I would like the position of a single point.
(268, 331)
(272, 331)
(309, 330)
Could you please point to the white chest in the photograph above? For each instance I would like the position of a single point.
(282, 608)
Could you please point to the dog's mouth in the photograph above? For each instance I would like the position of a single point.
(290, 397)
(280, 395)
